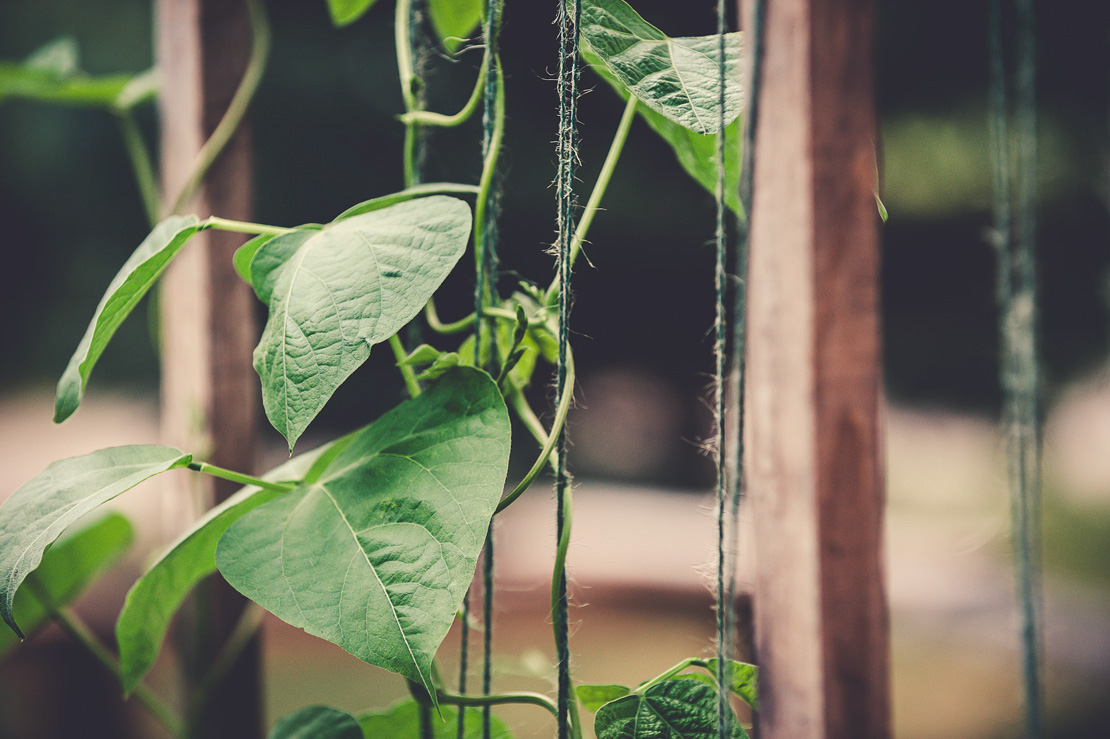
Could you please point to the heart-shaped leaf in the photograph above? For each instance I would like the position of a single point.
(346, 12)
(376, 555)
(67, 568)
(676, 77)
(336, 292)
(317, 722)
(403, 722)
(158, 594)
(141, 270)
(37, 513)
(455, 20)
(682, 707)
(696, 152)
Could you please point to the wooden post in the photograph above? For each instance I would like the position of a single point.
(814, 381)
(208, 385)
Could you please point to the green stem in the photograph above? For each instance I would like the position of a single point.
(522, 698)
(428, 118)
(406, 371)
(548, 444)
(239, 477)
(406, 72)
(600, 186)
(683, 665)
(225, 129)
(80, 633)
(432, 317)
(140, 164)
(559, 570)
(243, 227)
(489, 165)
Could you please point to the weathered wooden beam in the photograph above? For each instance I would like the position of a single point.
(814, 380)
(209, 389)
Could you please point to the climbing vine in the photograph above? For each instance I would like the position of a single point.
(371, 541)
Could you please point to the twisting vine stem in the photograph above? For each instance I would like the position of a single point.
(569, 15)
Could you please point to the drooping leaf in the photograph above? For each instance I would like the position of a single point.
(593, 697)
(696, 152)
(38, 512)
(67, 568)
(743, 680)
(317, 722)
(127, 288)
(52, 74)
(376, 555)
(402, 721)
(678, 708)
(346, 12)
(455, 20)
(158, 594)
(676, 77)
(435, 362)
(343, 289)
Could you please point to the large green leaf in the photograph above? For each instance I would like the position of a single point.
(679, 708)
(67, 568)
(36, 514)
(696, 152)
(317, 722)
(377, 554)
(336, 292)
(676, 77)
(158, 594)
(402, 721)
(455, 20)
(52, 74)
(127, 288)
(345, 12)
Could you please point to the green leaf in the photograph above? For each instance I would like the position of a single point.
(743, 680)
(338, 291)
(696, 153)
(159, 593)
(676, 77)
(52, 74)
(241, 259)
(67, 568)
(317, 722)
(377, 554)
(436, 362)
(678, 708)
(36, 514)
(454, 20)
(402, 721)
(420, 356)
(594, 697)
(346, 12)
(127, 288)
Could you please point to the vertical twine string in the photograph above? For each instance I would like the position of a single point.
(568, 18)
(1017, 299)
(735, 429)
(724, 608)
(488, 261)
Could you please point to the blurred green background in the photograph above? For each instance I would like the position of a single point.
(325, 137)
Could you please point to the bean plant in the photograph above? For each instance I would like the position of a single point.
(370, 541)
